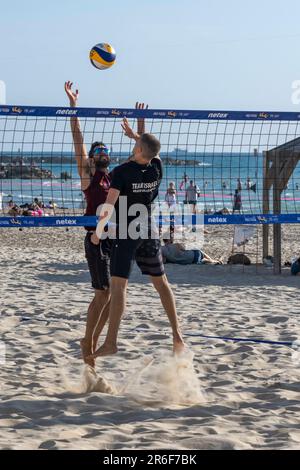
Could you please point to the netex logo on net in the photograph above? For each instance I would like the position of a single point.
(2, 92)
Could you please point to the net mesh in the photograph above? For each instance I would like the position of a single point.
(220, 155)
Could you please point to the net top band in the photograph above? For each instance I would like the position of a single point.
(175, 114)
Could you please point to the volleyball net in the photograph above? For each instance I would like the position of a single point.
(227, 162)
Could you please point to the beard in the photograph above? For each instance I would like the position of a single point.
(102, 164)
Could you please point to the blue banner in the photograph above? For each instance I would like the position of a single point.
(42, 111)
(91, 221)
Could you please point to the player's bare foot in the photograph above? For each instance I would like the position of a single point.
(105, 350)
(178, 345)
(86, 351)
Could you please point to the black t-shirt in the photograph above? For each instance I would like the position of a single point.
(140, 183)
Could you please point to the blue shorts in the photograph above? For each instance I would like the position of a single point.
(198, 256)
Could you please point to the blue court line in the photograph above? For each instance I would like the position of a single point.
(229, 338)
(244, 340)
(192, 335)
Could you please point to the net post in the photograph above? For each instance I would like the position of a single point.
(266, 204)
(277, 210)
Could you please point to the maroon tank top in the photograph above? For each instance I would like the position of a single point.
(96, 193)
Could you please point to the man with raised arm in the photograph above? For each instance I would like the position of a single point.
(138, 180)
(95, 182)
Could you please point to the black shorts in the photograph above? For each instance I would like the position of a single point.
(146, 253)
(99, 262)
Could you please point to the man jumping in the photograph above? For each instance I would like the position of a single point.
(95, 183)
(139, 181)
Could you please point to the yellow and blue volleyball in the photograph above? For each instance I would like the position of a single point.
(103, 56)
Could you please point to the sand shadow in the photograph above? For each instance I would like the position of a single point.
(70, 273)
(192, 275)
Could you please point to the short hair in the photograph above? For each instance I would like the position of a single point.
(93, 146)
(150, 146)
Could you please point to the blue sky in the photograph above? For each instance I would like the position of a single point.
(190, 54)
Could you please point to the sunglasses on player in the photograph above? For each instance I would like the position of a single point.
(101, 151)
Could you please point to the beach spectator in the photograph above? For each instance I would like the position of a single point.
(223, 211)
(239, 185)
(237, 202)
(248, 183)
(224, 185)
(38, 203)
(178, 254)
(295, 268)
(183, 181)
(191, 195)
(15, 210)
(52, 205)
(171, 195)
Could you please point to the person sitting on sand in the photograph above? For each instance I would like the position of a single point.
(178, 254)
(52, 205)
(38, 203)
(15, 210)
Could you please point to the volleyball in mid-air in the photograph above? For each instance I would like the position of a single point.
(103, 56)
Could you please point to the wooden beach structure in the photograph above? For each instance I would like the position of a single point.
(279, 165)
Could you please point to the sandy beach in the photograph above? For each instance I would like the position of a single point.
(220, 395)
